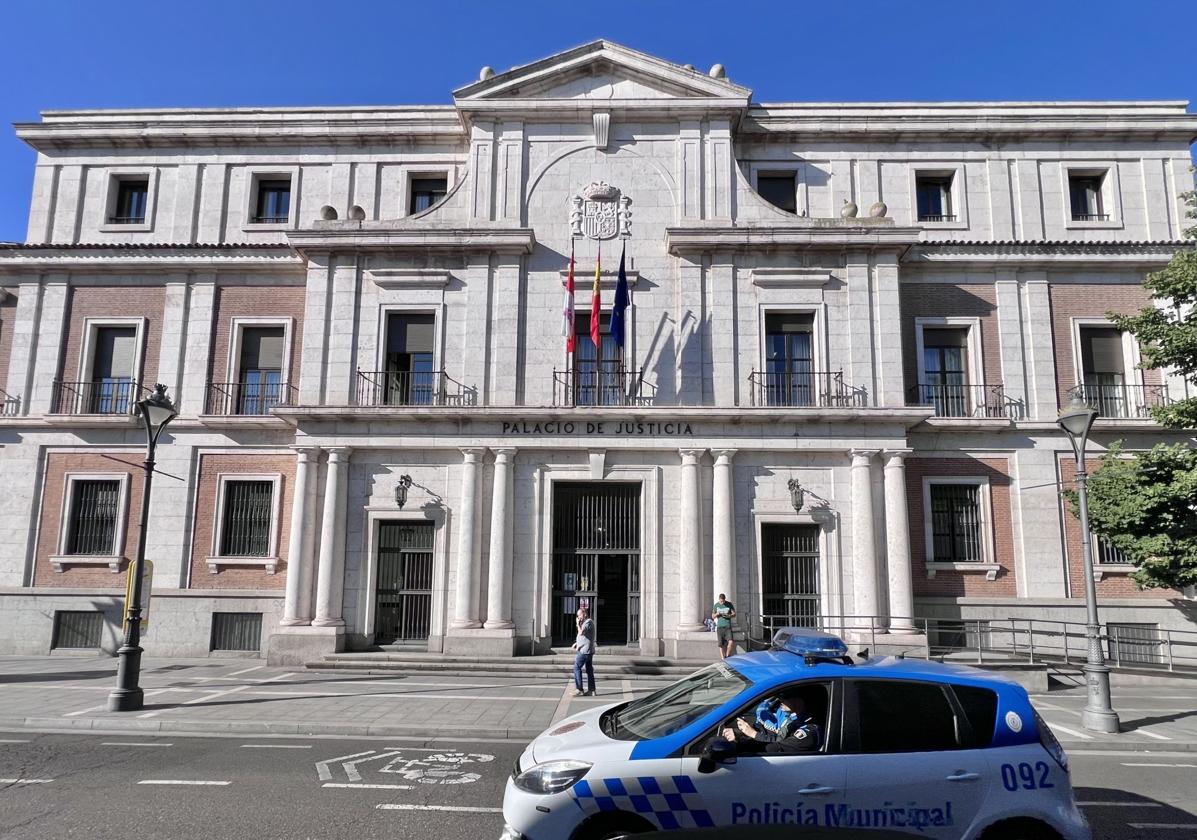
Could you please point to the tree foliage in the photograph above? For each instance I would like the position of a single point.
(1167, 331)
(1146, 507)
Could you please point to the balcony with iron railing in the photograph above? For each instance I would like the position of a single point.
(10, 406)
(246, 399)
(1122, 401)
(804, 389)
(982, 401)
(109, 397)
(392, 388)
(938, 217)
(613, 385)
(1090, 217)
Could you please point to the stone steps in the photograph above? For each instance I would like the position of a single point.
(553, 665)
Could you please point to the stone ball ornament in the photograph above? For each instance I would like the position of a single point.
(485, 73)
(718, 71)
(877, 210)
(849, 210)
(328, 213)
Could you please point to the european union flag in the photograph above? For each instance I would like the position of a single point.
(621, 302)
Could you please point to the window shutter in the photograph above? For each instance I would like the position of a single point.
(410, 333)
(945, 338)
(262, 348)
(1101, 350)
(115, 353)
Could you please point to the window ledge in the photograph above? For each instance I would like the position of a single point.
(959, 225)
(61, 561)
(250, 226)
(990, 570)
(1112, 224)
(269, 563)
(131, 227)
(1103, 569)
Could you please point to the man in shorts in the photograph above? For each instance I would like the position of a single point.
(723, 612)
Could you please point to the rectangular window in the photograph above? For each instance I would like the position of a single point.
(248, 508)
(597, 371)
(426, 192)
(409, 376)
(259, 385)
(131, 200)
(1084, 192)
(956, 523)
(236, 631)
(272, 204)
(77, 630)
(880, 730)
(1106, 553)
(114, 358)
(945, 366)
(91, 528)
(1103, 369)
(779, 189)
(980, 709)
(934, 196)
(789, 359)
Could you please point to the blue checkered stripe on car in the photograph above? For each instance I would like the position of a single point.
(671, 802)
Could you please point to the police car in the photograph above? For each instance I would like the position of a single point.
(939, 751)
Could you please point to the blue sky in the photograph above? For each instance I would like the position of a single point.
(98, 54)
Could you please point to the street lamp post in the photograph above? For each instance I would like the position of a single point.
(156, 412)
(1098, 715)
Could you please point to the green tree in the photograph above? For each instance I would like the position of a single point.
(1146, 506)
(1167, 331)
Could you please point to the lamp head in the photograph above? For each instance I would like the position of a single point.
(157, 410)
(797, 494)
(401, 490)
(1076, 419)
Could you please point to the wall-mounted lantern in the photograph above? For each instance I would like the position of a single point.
(401, 490)
(797, 494)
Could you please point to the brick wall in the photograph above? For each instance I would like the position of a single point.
(8, 314)
(58, 466)
(1090, 301)
(1112, 585)
(975, 300)
(115, 302)
(250, 302)
(947, 582)
(210, 468)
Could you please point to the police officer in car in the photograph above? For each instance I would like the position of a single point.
(782, 726)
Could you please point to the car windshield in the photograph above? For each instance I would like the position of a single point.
(672, 708)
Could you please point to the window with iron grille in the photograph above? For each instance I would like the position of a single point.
(248, 507)
(92, 525)
(75, 630)
(273, 202)
(1105, 553)
(956, 523)
(236, 631)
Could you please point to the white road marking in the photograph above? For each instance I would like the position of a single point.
(626, 685)
(460, 809)
(563, 704)
(14, 740)
(365, 786)
(1072, 732)
(180, 782)
(245, 671)
(133, 744)
(1190, 826)
(322, 766)
(1149, 734)
(276, 746)
(104, 707)
(465, 684)
(399, 696)
(213, 695)
(25, 781)
(350, 767)
(1123, 804)
(1148, 764)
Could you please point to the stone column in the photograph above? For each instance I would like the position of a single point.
(690, 542)
(864, 560)
(498, 587)
(297, 608)
(723, 525)
(465, 610)
(897, 543)
(330, 583)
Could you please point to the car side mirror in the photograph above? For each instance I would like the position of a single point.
(718, 751)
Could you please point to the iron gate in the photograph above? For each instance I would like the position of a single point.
(790, 574)
(404, 592)
(596, 560)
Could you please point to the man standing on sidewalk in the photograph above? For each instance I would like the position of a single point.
(723, 612)
(584, 658)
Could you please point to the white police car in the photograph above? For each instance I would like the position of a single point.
(940, 751)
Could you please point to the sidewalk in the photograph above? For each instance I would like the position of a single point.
(212, 696)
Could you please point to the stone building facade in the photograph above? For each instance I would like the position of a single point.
(851, 328)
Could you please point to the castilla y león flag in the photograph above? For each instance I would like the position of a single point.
(568, 329)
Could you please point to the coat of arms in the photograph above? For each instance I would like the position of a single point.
(600, 212)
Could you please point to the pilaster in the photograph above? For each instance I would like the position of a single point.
(315, 330)
(897, 543)
(723, 524)
(330, 585)
(864, 560)
(201, 309)
(50, 324)
(890, 382)
(498, 587)
(465, 610)
(861, 371)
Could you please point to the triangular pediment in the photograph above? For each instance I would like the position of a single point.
(601, 70)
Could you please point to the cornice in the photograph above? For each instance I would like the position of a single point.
(861, 234)
(385, 237)
(1045, 254)
(23, 259)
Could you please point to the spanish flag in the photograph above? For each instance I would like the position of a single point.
(595, 308)
(568, 326)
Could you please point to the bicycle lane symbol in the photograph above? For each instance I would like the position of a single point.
(442, 768)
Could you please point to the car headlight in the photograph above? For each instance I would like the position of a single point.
(552, 776)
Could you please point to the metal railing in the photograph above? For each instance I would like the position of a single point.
(410, 388)
(10, 406)
(977, 401)
(1090, 217)
(602, 385)
(126, 220)
(1125, 401)
(937, 218)
(106, 396)
(269, 220)
(1007, 641)
(251, 399)
(805, 389)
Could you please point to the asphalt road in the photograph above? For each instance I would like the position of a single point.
(105, 786)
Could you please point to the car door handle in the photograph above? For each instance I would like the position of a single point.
(962, 776)
(813, 790)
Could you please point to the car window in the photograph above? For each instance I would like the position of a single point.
(676, 706)
(817, 697)
(895, 716)
(980, 707)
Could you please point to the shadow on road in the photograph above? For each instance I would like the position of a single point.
(1114, 813)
